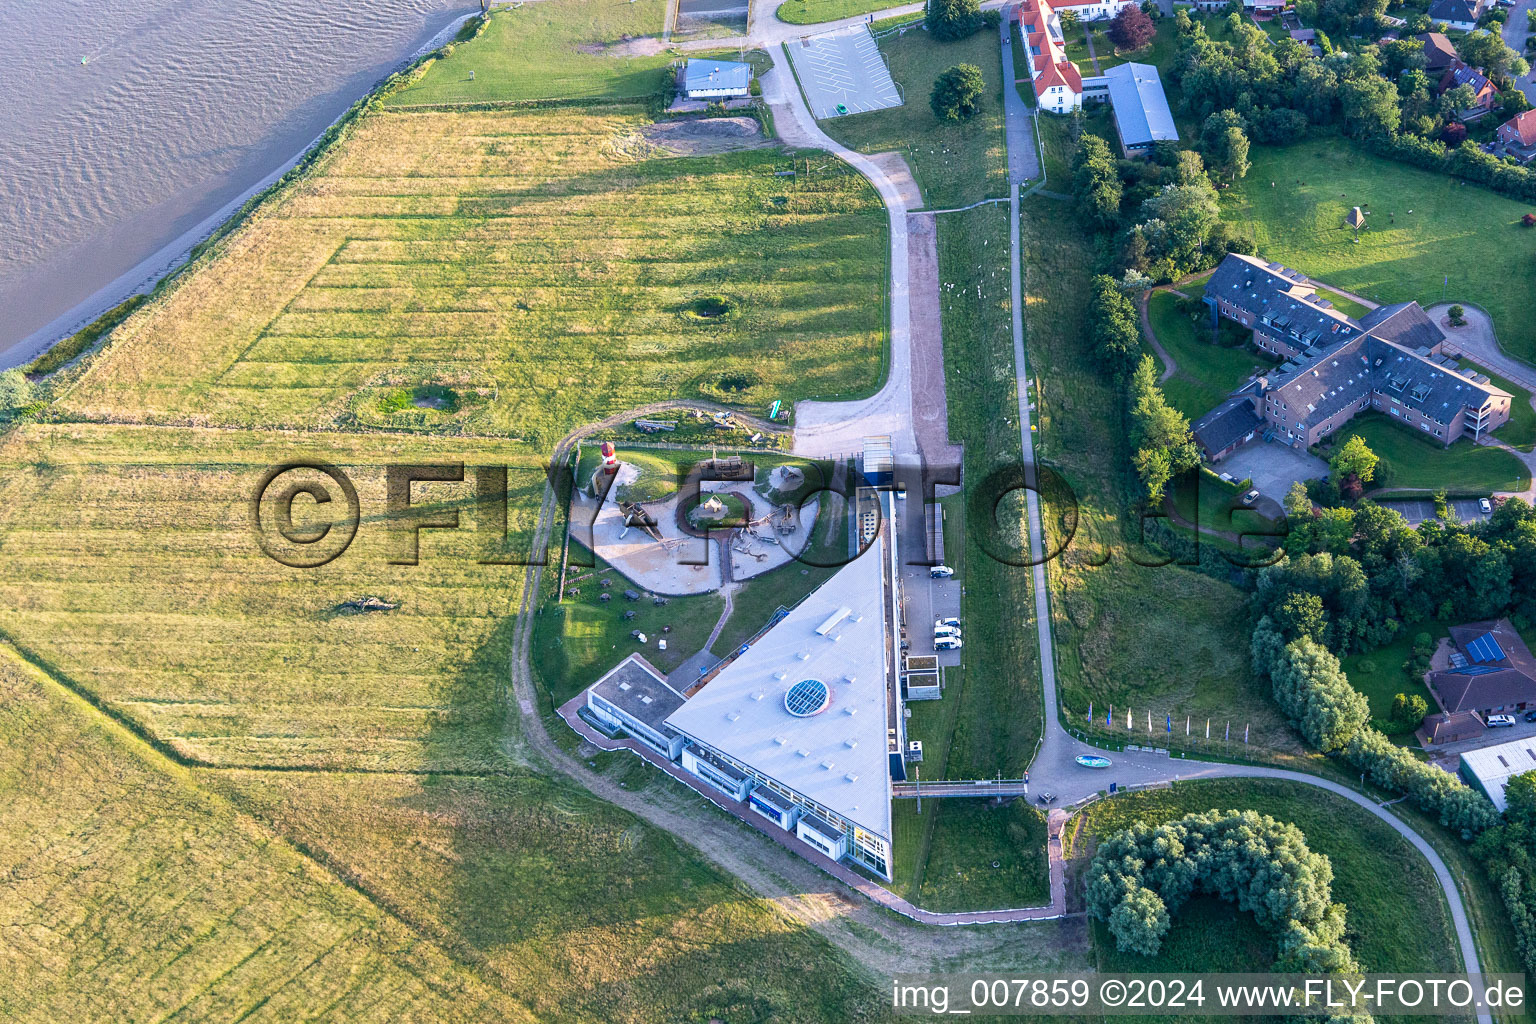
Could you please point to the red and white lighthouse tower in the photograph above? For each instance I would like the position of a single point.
(610, 459)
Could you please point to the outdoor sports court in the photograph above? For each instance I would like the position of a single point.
(843, 69)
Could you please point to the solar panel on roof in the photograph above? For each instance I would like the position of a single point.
(1475, 670)
(1485, 649)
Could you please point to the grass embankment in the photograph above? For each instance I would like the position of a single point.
(1413, 463)
(554, 49)
(955, 164)
(812, 12)
(1206, 372)
(560, 900)
(132, 893)
(1402, 925)
(1462, 231)
(990, 716)
(516, 255)
(1165, 640)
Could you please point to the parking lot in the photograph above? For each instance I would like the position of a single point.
(925, 599)
(1419, 510)
(843, 73)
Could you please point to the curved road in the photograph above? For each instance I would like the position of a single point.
(831, 423)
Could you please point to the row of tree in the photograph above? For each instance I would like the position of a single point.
(1141, 876)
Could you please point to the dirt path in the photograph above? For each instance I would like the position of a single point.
(1170, 367)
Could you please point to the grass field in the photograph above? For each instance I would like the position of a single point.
(132, 570)
(990, 716)
(1401, 926)
(1206, 372)
(1411, 462)
(1463, 232)
(536, 261)
(575, 908)
(1163, 639)
(1379, 673)
(955, 164)
(553, 49)
(132, 893)
(811, 12)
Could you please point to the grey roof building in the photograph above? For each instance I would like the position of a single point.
(1227, 427)
(1491, 671)
(634, 696)
(1142, 117)
(1335, 366)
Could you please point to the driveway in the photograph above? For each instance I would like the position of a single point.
(1018, 120)
(1272, 467)
(1447, 755)
(1477, 341)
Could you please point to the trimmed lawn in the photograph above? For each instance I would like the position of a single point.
(955, 164)
(544, 51)
(812, 12)
(970, 855)
(1467, 233)
(1206, 372)
(1401, 925)
(539, 260)
(1163, 639)
(1379, 675)
(1413, 463)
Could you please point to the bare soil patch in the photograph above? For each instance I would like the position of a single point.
(704, 136)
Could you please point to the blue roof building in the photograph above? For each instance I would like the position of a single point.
(712, 79)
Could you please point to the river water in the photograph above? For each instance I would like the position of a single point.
(111, 168)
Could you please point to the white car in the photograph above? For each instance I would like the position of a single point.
(1500, 721)
(951, 621)
(948, 643)
(1484, 505)
(949, 632)
(941, 572)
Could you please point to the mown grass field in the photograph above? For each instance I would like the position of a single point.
(1397, 919)
(133, 893)
(1463, 232)
(1160, 639)
(1206, 372)
(133, 571)
(437, 274)
(1411, 462)
(536, 261)
(553, 49)
(955, 164)
(1379, 673)
(811, 12)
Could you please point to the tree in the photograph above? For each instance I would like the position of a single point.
(1370, 107)
(1454, 134)
(1354, 464)
(1520, 798)
(1409, 712)
(1116, 327)
(1486, 50)
(15, 391)
(1139, 922)
(1164, 445)
(1131, 29)
(949, 20)
(1401, 55)
(1096, 183)
(1457, 314)
(1224, 139)
(956, 92)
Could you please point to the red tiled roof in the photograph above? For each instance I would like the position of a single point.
(1523, 125)
(1062, 73)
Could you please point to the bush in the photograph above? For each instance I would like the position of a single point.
(956, 93)
(1458, 315)
(15, 391)
(1438, 792)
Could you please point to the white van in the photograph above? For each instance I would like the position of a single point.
(948, 643)
(941, 572)
(946, 631)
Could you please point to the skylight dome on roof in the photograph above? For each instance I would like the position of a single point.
(807, 697)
